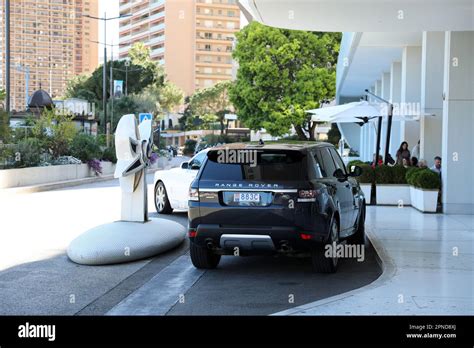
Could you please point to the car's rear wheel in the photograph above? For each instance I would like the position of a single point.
(203, 258)
(359, 236)
(323, 263)
(162, 203)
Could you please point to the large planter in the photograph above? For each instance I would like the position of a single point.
(48, 174)
(367, 190)
(424, 200)
(393, 194)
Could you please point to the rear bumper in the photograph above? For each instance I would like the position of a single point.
(251, 239)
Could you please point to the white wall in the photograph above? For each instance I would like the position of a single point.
(43, 175)
(458, 124)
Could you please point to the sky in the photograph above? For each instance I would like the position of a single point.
(111, 7)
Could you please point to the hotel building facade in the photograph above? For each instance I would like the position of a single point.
(50, 43)
(193, 39)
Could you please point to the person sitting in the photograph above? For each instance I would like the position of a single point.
(437, 165)
(422, 164)
(403, 153)
(405, 163)
(414, 162)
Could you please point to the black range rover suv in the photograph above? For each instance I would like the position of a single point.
(290, 199)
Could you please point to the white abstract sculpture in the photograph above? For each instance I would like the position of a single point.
(135, 236)
(133, 146)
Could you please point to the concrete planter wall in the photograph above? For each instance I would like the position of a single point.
(43, 175)
(424, 200)
(393, 194)
(367, 189)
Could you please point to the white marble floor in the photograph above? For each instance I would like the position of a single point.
(428, 267)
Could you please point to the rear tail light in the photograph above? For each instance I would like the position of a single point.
(193, 194)
(192, 232)
(305, 236)
(307, 195)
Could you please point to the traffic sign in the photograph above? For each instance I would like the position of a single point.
(144, 116)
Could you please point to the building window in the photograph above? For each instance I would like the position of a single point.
(207, 47)
(230, 25)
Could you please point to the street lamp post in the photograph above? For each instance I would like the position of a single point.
(104, 68)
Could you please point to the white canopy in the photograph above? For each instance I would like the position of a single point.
(361, 111)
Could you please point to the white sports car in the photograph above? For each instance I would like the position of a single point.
(172, 185)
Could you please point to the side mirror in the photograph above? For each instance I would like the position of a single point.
(339, 174)
(195, 167)
(355, 171)
(185, 165)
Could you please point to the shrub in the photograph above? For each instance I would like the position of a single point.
(399, 174)
(425, 179)
(95, 165)
(410, 174)
(354, 163)
(29, 153)
(367, 176)
(85, 147)
(189, 147)
(56, 131)
(390, 175)
(109, 155)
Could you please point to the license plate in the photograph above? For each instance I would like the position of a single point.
(246, 197)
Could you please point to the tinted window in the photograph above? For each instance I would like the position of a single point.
(271, 166)
(326, 162)
(197, 160)
(319, 170)
(338, 160)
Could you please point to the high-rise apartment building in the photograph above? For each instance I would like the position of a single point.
(192, 38)
(51, 39)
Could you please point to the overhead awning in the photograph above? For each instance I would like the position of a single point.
(361, 111)
(362, 16)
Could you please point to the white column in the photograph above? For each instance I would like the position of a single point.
(411, 92)
(458, 123)
(395, 97)
(385, 88)
(432, 63)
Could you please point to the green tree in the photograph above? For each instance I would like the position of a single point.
(282, 74)
(5, 131)
(55, 132)
(333, 134)
(141, 73)
(211, 104)
(3, 94)
(169, 97)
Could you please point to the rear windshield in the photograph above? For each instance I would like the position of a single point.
(258, 165)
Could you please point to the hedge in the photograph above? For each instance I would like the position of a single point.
(424, 178)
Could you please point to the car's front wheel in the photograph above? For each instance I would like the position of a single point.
(324, 257)
(162, 203)
(202, 257)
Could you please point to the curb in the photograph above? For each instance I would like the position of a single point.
(388, 271)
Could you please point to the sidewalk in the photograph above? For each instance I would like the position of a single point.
(427, 264)
(174, 162)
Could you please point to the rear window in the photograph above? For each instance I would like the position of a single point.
(257, 166)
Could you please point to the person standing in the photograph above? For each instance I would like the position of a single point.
(403, 153)
(437, 165)
(415, 152)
